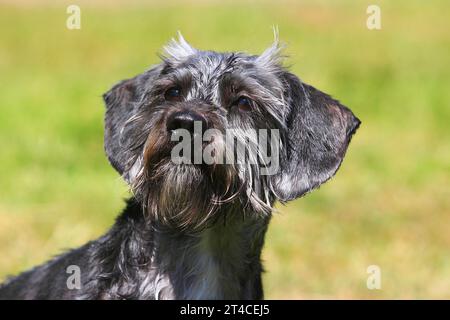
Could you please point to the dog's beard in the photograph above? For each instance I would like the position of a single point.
(178, 195)
(185, 196)
(188, 196)
(182, 196)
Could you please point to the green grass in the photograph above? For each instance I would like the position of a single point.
(389, 204)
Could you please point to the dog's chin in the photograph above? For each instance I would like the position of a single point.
(184, 196)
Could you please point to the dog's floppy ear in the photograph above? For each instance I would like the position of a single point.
(319, 130)
(122, 103)
(119, 108)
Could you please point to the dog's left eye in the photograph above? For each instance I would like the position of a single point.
(244, 103)
(173, 94)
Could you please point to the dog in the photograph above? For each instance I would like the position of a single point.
(196, 230)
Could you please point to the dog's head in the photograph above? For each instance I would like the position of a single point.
(255, 134)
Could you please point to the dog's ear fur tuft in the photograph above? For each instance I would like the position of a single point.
(319, 132)
(178, 50)
(272, 58)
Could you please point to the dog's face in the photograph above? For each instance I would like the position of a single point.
(208, 95)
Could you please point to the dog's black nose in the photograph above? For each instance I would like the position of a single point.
(186, 120)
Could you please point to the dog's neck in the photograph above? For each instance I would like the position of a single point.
(219, 262)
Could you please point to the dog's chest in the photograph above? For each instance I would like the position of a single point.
(210, 266)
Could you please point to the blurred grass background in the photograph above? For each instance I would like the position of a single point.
(389, 205)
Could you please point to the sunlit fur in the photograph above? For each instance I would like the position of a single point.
(196, 231)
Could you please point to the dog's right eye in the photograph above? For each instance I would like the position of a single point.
(244, 103)
(173, 94)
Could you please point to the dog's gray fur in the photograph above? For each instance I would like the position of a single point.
(196, 231)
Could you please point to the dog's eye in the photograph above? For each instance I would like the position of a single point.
(244, 103)
(173, 94)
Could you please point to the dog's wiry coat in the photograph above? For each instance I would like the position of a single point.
(196, 231)
(134, 261)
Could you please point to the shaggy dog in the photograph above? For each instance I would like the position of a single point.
(195, 226)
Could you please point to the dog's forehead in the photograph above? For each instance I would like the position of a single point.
(211, 65)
